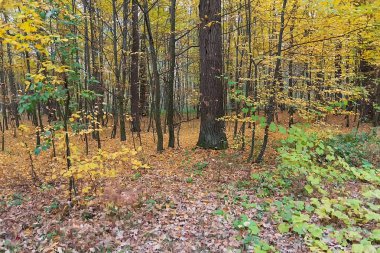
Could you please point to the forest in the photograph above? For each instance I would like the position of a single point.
(190, 126)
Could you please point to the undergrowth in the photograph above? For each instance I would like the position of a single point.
(330, 188)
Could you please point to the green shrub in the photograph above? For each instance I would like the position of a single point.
(325, 167)
(359, 149)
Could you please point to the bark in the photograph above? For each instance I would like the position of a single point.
(3, 89)
(170, 104)
(212, 135)
(249, 74)
(237, 69)
(135, 69)
(4, 123)
(156, 79)
(120, 93)
(292, 108)
(11, 82)
(376, 118)
(143, 79)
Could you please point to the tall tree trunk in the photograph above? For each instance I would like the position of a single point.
(170, 104)
(237, 67)
(156, 79)
(135, 68)
(249, 74)
(101, 78)
(143, 78)
(3, 88)
(95, 85)
(124, 73)
(120, 91)
(4, 123)
(376, 118)
(212, 135)
(292, 108)
(11, 81)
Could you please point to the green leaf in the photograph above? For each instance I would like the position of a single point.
(300, 218)
(309, 188)
(37, 150)
(300, 205)
(254, 117)
(282, 129)
(253, 228)
(319, 151)
(372, 216)
(375, 235)
(262, 122)
(255, 176)
(357, 248)
(314, 180)
(272, 127)
(283, 228)
(309, 208)
(299, 228)
(315, 231)
(219, 212)
(330, 158)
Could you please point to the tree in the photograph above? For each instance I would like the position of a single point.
(156, 78)
(135, 68)
(212, 135)
(170, 109)
(12, 84)
(120, 91)
(273, 85)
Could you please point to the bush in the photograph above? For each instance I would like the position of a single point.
(331, 166)
(359, 149)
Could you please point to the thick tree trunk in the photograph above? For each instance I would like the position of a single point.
(212, 135)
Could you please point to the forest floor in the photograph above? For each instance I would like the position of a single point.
(170, 207)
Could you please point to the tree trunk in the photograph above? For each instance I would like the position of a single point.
(170, 104)
(120, 91)
(273, 86)
(12, 85)
(135, 68)
(376, 119)
(156, 80)
(212, 135)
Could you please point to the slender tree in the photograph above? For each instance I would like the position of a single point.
(11, 80)
(170, 104)
(120, 90)
(272, 88)
(135, 68)
(156, 78)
